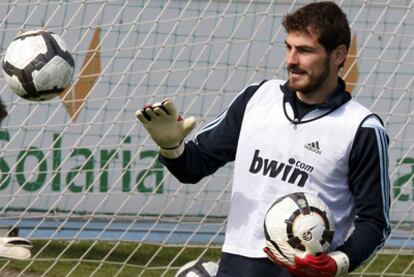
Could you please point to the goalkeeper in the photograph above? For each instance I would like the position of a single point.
(13, 247)
(309, 125)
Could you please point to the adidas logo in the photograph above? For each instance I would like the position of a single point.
(314, 147)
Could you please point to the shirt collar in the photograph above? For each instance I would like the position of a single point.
(335, 99)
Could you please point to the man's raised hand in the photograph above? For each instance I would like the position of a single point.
(166, 127)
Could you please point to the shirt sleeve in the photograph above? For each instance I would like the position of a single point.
(370, 186)
(214, 145)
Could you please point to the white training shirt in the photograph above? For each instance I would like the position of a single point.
(275, 157)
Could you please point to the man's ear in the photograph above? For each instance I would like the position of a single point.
(339, 54)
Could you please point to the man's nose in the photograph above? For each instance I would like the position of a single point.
(292, 57)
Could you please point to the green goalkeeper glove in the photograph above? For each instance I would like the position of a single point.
(165, 127)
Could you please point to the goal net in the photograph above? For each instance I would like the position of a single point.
(81, 177)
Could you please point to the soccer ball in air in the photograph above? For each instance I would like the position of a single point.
(37, 65)
(296, 225)
(198, 268)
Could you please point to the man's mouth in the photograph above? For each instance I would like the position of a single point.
(296, 71)
(296, 74)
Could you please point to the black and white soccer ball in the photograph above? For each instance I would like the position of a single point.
(37, 65)
(198, 268)
(298, 224)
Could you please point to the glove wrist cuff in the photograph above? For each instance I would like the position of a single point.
(342, 262)
(172, 153)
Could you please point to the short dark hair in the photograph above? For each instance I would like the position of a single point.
(3, 111)
(326, 19)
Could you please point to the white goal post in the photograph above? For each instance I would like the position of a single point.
(80, 168)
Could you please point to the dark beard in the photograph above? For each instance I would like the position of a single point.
(314, 84)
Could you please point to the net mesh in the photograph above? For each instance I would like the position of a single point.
(79, 168)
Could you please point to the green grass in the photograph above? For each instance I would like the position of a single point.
(59, 258)
(84, 258)
(388, 264)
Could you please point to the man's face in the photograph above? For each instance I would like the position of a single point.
(308, 64)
